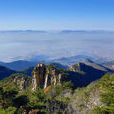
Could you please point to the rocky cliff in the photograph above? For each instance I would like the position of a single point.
(43, 76)
(18, 81)
(22, 81)
(79, 74)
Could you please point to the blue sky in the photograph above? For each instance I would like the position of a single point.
(56, 14)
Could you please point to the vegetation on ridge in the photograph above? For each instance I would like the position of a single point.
(17, 96)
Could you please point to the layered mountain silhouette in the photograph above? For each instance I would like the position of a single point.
(19, 65)
(64, 62)
(95, 65)
(72, 59)
(5, 72)
(82, 74)
(109, 64)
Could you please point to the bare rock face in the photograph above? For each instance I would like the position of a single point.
(38, 76)
(43, 76)
(21, 81)
(78, 67)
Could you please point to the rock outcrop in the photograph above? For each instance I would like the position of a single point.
(85, 67)
(18, 81)
(77, 67)
(38, 76)
(44, 76)
(22, 82)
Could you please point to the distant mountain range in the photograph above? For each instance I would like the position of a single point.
(78, 58)
(63, 31)
(109, 64)
(26, 67)
(31, 31)
(18, 65)
(64, 62)
(72, 59)
(95, 65)
(86, 31)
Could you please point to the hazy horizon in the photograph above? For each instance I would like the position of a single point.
(24, 45)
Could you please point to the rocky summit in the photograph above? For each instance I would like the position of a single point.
(43, 76)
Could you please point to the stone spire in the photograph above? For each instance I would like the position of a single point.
(44, 76)
(38, 76)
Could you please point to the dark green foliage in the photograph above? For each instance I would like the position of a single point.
(51, 67)
(37, 99)
(7, 97)
(68, 85)
(97, 98)
(97, 110)
(9, 110)
(59, 98)
(58, 65)
(20, 101)
(107, 93)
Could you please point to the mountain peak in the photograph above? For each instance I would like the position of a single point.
(87, 61)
